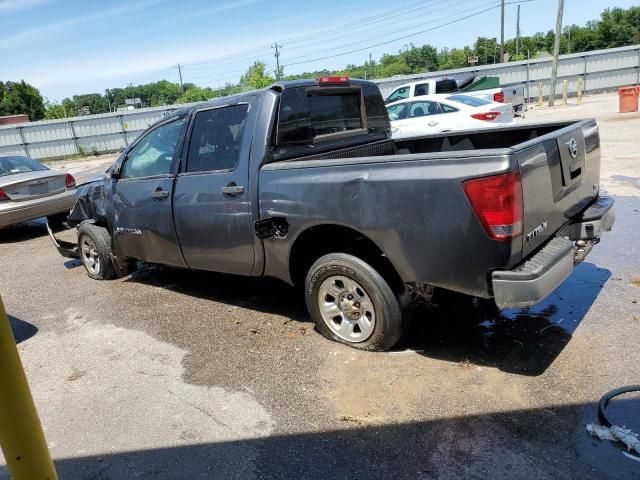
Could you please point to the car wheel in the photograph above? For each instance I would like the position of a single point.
(351, 303)
(94, 245)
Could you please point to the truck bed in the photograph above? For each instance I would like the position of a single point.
(416, 185)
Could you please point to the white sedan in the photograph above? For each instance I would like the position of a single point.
(429, 114)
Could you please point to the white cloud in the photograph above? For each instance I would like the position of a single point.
(12, 5)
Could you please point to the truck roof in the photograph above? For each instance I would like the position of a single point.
(278, 86)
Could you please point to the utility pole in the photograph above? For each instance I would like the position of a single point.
(556, 54)
(180, 75)
(501, 31)
(518, 32)
(277, 55)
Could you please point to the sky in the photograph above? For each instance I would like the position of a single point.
(69, 47)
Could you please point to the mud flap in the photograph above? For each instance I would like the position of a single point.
(66, 249)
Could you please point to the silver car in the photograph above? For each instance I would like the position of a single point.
(30, 190)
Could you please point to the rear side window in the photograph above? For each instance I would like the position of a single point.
(446, 86)
(422, 89)
(216, 139)
(309, 114)
(447, 108)
(468, 100)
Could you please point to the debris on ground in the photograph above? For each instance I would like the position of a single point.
(616, 434)
(254, 331)
(358, 420)
(465, 364)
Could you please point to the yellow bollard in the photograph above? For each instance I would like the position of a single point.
(564, 92)
(579, 101)
(540, 97)
(21, 436)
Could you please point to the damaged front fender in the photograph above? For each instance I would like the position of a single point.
(93, 204)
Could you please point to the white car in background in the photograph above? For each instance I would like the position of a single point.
(429, 114)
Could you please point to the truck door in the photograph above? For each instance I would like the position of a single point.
(211, 201)
(143, 217)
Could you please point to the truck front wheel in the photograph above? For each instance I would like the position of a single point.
(352, 304)
(94, 245)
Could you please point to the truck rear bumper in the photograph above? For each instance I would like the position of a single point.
(542, 273)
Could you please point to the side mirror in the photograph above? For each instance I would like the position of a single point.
(114, 170)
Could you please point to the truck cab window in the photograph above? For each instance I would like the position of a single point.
(422, 89)
(216, 139)
(154, 153)
(398, 94)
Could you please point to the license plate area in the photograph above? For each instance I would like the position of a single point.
(38, 188)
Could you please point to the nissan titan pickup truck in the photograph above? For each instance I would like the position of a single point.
(301, 181)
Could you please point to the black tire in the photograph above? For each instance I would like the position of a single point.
(100, 239)
(387, 328)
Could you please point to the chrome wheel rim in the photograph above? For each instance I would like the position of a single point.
(346, 308)
(90, 256)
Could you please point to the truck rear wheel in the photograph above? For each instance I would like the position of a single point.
(94, 245)
(351, 303)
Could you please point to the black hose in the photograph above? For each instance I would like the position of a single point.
(607, 397)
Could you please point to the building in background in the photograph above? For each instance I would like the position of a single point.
(14, 119)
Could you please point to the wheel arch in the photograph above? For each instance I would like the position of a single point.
(321, 239)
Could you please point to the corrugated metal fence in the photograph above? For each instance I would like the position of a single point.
(599, 69)
(103, 133)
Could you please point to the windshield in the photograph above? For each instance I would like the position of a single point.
(14, 165)
(467, 100)
(395, 111)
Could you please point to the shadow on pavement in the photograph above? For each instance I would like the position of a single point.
(22, 330)
(548, 443)
(260, 294)
(522, 341)
(27, 231)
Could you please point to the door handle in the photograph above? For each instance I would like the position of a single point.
(232, 189)
(159, 194)
(432, 124)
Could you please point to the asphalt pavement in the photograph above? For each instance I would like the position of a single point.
(177, 374)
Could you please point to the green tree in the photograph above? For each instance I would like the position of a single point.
(60, 110)
(256, 76)
(420, 59)
(196, 94)
(95, 102)
(20, 97)
(487, 50)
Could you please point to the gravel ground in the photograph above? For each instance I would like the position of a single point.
(172, 374)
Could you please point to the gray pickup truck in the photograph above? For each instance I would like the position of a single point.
(302, 182)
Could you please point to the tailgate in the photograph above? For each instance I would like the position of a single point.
(560, 176)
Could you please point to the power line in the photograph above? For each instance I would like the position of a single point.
(403, 37)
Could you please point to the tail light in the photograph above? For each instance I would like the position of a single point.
(3, 196)
(497, 202)
(69, 181)
(333, 81)
(498, 97)
(485, 116)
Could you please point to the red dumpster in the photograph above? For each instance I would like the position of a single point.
(628, 97)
